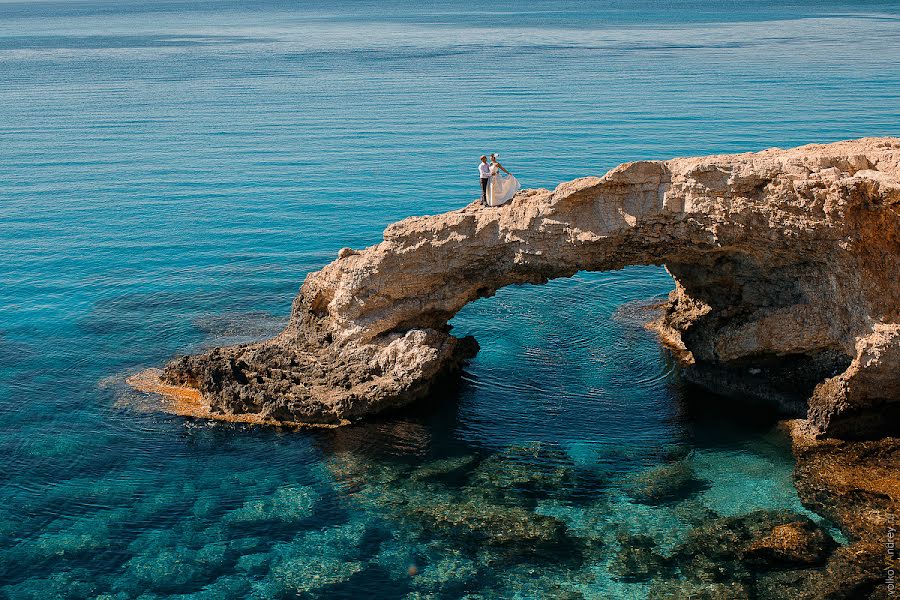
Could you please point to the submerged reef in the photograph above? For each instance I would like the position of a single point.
(468, 523)
(664, 483)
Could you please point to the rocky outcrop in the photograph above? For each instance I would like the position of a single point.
(785, 262)
(856, 484)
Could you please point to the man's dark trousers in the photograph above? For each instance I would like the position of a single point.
(484, 182)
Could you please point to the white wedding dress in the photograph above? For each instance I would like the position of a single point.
(501, 188)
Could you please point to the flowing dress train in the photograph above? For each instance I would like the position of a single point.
(501, 188)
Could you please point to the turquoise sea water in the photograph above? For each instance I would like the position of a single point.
(169, 172)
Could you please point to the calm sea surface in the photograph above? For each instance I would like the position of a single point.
(170, 171)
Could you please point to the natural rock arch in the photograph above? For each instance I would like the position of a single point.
(785, 262)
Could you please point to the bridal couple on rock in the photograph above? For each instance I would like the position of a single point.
(496, 188)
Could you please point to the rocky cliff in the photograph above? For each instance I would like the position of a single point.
(786, 265)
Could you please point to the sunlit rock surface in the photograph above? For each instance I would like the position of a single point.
(786, 265)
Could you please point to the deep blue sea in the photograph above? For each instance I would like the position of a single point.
(170, 171)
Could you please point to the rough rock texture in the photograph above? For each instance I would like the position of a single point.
(856, 484)
(762, 554)
(786, 264)
(665, 483)
(799, 542)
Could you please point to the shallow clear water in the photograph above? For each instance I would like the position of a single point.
(169, 171)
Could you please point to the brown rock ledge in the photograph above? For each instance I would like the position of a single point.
(188, 402)
(856, 484)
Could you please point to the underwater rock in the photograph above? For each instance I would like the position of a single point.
(169, 571)
(672, 452)
(400, 556)
(456, 466)
(785, 584)
(302, 575)
(637, 559)
(448, 574)
(429, 508)
(314, 561)
(285, 505)
(785, 264)
(80, 539)
(495, 524)
(528, 581)
(855, 571)
(355, 472)
(694, 512)
(767, 554)
(730, 548)
(433, 511)
(665, 483)
(228, 586)
(253, 564)
(75, 585)
(796, 543)
(524, 471)
(675, 589)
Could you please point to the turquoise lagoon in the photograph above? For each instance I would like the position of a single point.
(169, 172)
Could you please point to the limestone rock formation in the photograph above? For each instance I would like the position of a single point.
(785, 262)
(856, 484)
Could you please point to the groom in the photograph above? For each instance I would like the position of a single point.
(484, 169)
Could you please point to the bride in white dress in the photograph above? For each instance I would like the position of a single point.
(501, 188)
